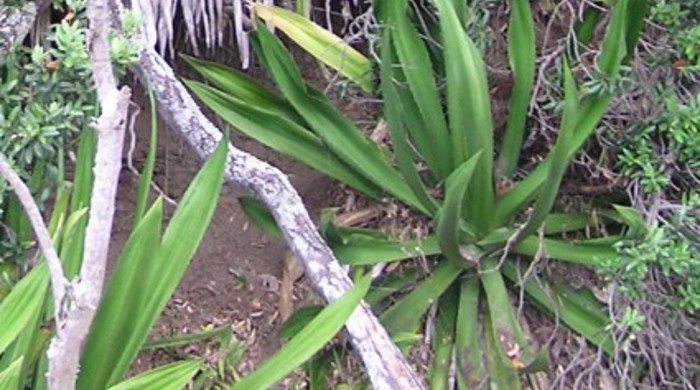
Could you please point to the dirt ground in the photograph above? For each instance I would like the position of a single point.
(236, 274)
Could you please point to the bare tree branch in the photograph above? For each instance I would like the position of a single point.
(84, 293)
(386, 366)
(58, 280)
(15, 25)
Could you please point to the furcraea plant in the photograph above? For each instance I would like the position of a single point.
(482, 232)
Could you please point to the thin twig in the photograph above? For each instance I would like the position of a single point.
(58, 279)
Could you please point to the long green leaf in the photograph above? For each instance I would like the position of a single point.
(443, 341)
(174, 376)
(307, 342)
(244, 88)
(417, 68)
(470, 368)
(180, 240)
(319, 42)
(450, 214)
(469, 111)
(22, 303)
(11, 376)
(501, 373)
(122, 301)
(147, 171)
(404, 316)
(550, 188)
(394, 111)
(580, 313)
(283, 135)
(338, 132)
(521, 55)
(514, 347)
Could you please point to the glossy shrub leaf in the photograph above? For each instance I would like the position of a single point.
(469, 113)
(174, 376)
(405, 315)
(307, 342)
(319, 42)
(521, 56)
(283, 135)
(450, 214)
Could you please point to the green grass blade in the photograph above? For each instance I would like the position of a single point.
(450, 214)
(174, 376)
(283, 135)
(636, 11)
(320, 43)
(585, 28)
(405, 315)
(342, 137)
(307, 342)
(614, 46)
(443, 340)
(415, 64)
(521, 55)
(577, 310)
(147, 171)
(11, 376)
(244, 88)
(550, 188)
(470, 369)
(469, 112)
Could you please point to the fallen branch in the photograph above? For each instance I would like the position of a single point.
(83, 294)
(386, 366)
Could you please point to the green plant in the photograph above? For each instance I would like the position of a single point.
(478, 232)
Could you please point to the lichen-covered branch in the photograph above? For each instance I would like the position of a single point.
(83, 293)
(15, 24)
(386, 366)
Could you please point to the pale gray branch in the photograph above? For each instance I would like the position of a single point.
(24, 195)
(15, 25)
(386, 366)
(85, 292)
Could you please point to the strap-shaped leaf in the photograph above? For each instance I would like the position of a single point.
(341, 136)
(521, 55)
(283, 135)
(308, 341)
(444, 339)
(415, 64)
(405, 315)
(11, 376)
(469, 112)
(470, 367)
(319, 42)
(174, 376)
(450, 214)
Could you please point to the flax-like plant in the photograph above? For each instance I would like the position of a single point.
(149, 269)
(442, 142)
